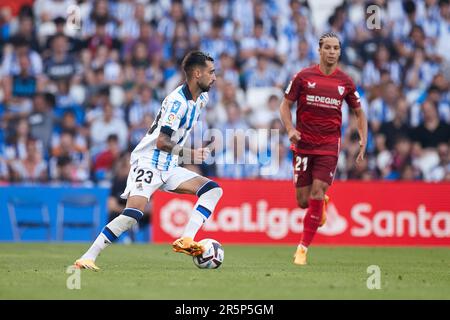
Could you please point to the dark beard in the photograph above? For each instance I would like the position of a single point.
(203, 88)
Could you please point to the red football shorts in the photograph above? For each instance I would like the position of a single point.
(308, 167)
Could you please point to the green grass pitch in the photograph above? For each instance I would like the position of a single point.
(38, 271)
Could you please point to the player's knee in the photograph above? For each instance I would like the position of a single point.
(136, 214)
(302, 203)
(317, 193)
(302, 200)
(208, 197)
(137, 202)
(211, 190)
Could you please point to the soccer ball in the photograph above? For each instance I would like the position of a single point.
(213, 256)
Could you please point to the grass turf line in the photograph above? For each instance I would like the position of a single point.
(38, 271)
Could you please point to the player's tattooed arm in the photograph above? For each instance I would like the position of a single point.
(362, 131)
(164, 143)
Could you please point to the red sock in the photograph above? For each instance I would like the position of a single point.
(311, 221)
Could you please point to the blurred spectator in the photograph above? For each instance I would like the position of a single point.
(144, 104)
(54, 8)
(443, 42)
(180, 44)
(26, 32)
(259, 44)
(299, 58)
(69, 161)
(99, 21)
(360, 171)
(60, 28)
(399, 126)
(6, 22)
(266, 74)
(17, 140)
(262, 117)
(61, 65)
(41, 118)
(32, 168)
(68, 123)
(10, 63)
(174, 16)
(214, 10)
(106, 125)
(432, 131)
(382, 62)
(149, 37)
(442, 170)
(227, 70)
(215, 43)
(401, 158)
(101, 36)
(382, 109)
(129, 26)
(140, 56)
(104, 161)
(20, 88)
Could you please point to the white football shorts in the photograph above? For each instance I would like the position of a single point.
(144, 179)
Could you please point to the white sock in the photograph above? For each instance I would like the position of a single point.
(300, 246)
(209, 195)
(99, 244)
(112, 231)
(194, 224)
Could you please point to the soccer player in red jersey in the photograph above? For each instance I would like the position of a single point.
(319, 92)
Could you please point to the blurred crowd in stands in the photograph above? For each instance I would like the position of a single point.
(75, 101)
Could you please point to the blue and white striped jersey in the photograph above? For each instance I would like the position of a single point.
(178, 112)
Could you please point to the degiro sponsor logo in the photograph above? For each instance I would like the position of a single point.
(275, 222)
(321, 99)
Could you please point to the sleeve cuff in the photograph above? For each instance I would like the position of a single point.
(167, 130)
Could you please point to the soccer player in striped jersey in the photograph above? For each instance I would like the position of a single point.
(319, 92)
(154, 163)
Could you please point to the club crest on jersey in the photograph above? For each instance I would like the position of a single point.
(311, 84)
(171, 118)
(341, 90)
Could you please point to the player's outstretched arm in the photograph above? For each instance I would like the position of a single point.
(362, 131)
(286, 117)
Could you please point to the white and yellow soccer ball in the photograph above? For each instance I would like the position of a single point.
(212, 257)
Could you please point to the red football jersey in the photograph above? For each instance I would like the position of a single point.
(319, 100)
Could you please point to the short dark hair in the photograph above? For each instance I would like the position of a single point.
(433, 88)
(409, 7)
(63, 161)
(218, 22)
(195, 59)
(59, 20)
(328, 35)
(112, 138)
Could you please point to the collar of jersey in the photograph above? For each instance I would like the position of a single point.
(186, 92)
